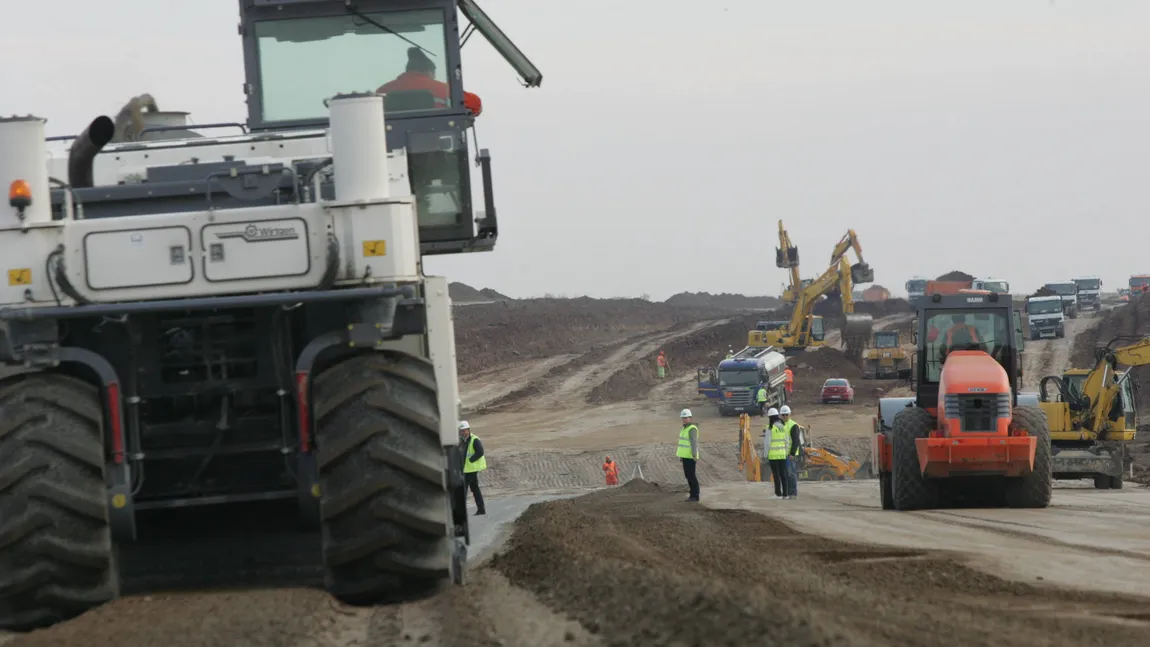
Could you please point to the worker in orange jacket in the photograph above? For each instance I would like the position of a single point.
(420, 75)
(611, 471)
(790, 383)
(661, 364)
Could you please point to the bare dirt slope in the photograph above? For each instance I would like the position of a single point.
(636, 565)
(1053, 356)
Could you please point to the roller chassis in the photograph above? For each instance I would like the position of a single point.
(204, 321)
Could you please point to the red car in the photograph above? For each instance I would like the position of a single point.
(837, 389)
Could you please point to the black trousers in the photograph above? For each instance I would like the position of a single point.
(689, 465)
(779, 476)
(471, 479)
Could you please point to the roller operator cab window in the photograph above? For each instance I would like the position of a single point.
(950, 330)
(305, 61)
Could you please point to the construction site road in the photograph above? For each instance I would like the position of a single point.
(1087, 539)
(1043, 357)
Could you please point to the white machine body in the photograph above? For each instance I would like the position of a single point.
(371, 225)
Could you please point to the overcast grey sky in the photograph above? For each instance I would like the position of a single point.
(1006, 138)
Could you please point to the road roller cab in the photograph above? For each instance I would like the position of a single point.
(963, 432)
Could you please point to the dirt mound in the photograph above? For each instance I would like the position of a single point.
(493, 295)
(956, 275)
(705, 348)
(724, 301)
(463, 293)
(1044, 292)
(492, 334)
(635, 565)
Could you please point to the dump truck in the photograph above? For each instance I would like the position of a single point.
(1068, 291)
(885, 358)
(1093, 414)
(1089, 293)
(1045, 317)
(965, 435)
(208, 319)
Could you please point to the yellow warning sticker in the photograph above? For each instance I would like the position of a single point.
(375, 248)
(22, 276)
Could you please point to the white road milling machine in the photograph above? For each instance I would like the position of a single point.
(193, 318)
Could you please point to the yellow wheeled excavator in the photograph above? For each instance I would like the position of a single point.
(1092, 414)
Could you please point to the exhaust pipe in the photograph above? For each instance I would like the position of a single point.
(86, 146)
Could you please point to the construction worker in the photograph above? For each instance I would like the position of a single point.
(661, 363)
(761, 398)
(474, 462)
(688, 452)
(794, 448)
(611, 471)
(730, 353)
(420, 75)
(778, 445)
(961, 332)
(790, 382)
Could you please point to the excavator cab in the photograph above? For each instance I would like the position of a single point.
(300, 53)
(963, 435)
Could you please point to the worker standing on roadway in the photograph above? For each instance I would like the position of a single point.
(661, 363)
(794, 447)
(790, 381)
(611, 471)
(688, 452)
(474, 462)
(777, 441)
(420, 75)
(761, 398)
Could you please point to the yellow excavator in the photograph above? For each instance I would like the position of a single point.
(805, 329)
(1092, 414)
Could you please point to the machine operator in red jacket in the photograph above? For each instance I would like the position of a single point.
(420, 75)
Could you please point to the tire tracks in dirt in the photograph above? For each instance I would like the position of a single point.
(1052, 356)
(570, 381)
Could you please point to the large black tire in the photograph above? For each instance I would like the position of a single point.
(885, 491)
(386, 514)
(1033, 490)
(56, 553)
(912, 490)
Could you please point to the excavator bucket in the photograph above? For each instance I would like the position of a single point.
(858, 326)
(862, 273)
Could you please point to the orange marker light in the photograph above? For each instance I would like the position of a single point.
(19, 194)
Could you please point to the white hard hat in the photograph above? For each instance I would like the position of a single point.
(772, 411)
(463, 425)
(685, 413)
(784, 410)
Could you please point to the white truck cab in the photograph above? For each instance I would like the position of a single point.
(1045, 317)
(993, 285)
(1089, 292)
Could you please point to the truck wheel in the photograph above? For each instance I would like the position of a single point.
(912, 490)
(385, 508)
(1101, 481)
(1033, 490)
(56, 554)
(884, 491)
(1116, 482)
